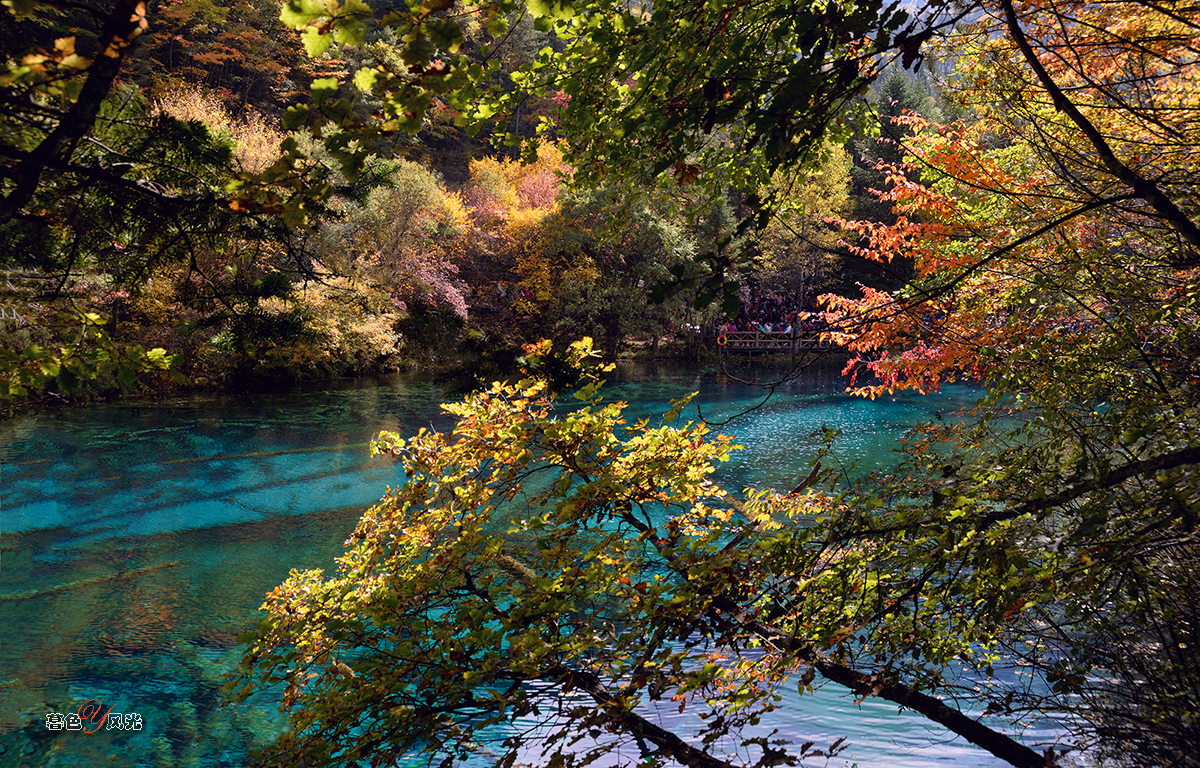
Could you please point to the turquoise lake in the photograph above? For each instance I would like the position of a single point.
(139, 538)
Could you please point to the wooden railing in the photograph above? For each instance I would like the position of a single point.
(757, 341)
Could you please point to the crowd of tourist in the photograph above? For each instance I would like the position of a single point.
(772, 313)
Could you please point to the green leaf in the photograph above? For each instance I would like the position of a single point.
(365, 79)
(126, 375)
(294, 117)
(72, 89)
(20, 8)
(417, 51)
(323, 88)
(300, 13)
(350, 26)
(338, 111)
(68, 381)
(550, 9)
(445, 34)
(497, 26)
(315, 43)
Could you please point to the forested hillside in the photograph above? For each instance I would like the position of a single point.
(189, 179)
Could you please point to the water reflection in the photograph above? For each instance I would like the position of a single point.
(140, 537)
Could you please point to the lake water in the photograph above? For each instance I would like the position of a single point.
(139, 538)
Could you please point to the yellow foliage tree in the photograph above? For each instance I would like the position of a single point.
(255, 138)
(399, 241)
(509, 202)
(794, 250)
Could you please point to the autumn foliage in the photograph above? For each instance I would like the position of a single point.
(1058, 262)
(1021, 230)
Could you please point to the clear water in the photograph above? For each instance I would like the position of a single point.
(140, 537)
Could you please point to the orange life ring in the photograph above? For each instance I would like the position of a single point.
(721, 340)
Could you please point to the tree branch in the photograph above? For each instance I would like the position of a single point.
(1185, 457)
(668, 743)
(933, 708)
(1002, 746)
(123, 25)
(1145, 189)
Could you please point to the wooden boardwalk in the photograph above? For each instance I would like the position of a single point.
(750, 342)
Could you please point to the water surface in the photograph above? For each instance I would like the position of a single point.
(139, 538)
